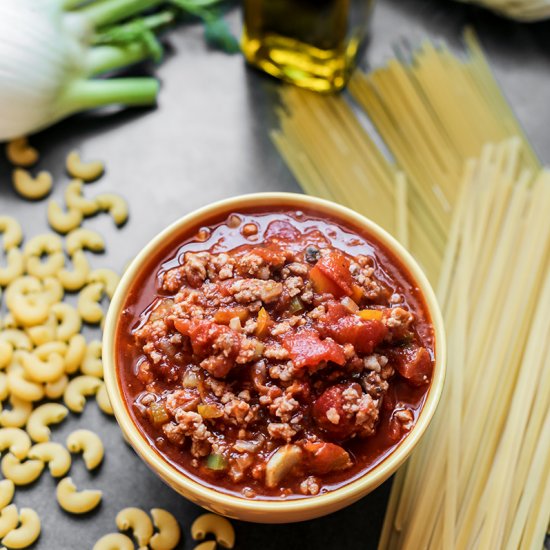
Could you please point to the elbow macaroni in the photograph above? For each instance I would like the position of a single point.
(108, 277)
(55, 455)
(42, 417)
(4, 390)
(21, 153)
(25, 300)
(89, 300)
(49, 245)
(15, 266)
(52, 290)
(87, 171)
(17, 338)
(22, 388)
(169, 532)
(18, 415)
(11, 231)
(26, 533)
(74, 501)
(63, 221)
(44, 351)
(75, 353)
(8, 519)
(76, 390)
(75, 199)
(69, 321)
(93, 364)
(90, 444)
(115, 205)
(137, 521)
(103, 401)
(76, 278)
(218, 526)
(7, 490)
(29, 187)
(84, 239)
(45, 333)
(6, 354)
(42, 371)
(16, 440)
(21, 473)
(114, 541)
(41, 346)
(55, 390)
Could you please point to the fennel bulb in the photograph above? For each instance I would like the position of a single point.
(47, 62)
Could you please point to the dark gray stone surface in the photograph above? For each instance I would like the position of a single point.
(208, 140)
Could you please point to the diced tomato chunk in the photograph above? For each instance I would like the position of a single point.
(348, 328)
(306, 349)
(329, 413)
(281, 229)
(331, 274)
(323, 457)
(413, 363)
(205, 337)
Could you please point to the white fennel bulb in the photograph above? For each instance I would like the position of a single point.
(47, 62)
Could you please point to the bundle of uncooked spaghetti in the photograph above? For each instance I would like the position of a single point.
(481, 476)
(432, 113)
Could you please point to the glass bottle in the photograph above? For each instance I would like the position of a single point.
(311, 43)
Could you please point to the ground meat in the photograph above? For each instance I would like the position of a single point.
(249, 290)
(284, 407)
(344, 411)
(281, 431)
(293, 285)
(252, 264)
(173, 279)
(398, 322)
(185, 400)
(239, 412)
(275, 351)
(310, 486)
(194, 267)
(220, 267)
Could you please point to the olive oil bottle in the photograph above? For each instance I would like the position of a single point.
(311, 43)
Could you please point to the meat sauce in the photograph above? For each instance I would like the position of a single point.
(274, 354)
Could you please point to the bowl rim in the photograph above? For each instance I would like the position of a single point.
(349, 491)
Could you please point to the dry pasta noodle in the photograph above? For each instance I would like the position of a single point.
(334, 157)
(432, 113)
(480, 477)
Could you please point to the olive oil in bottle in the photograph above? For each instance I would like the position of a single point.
(311, 43)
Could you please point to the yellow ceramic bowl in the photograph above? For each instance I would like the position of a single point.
(265, 511)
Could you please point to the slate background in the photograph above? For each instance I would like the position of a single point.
(207, 140)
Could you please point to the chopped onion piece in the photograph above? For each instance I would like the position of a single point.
(235, 324)
(350, 305)
(280, 464)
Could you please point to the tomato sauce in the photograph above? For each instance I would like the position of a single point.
(274, 353)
